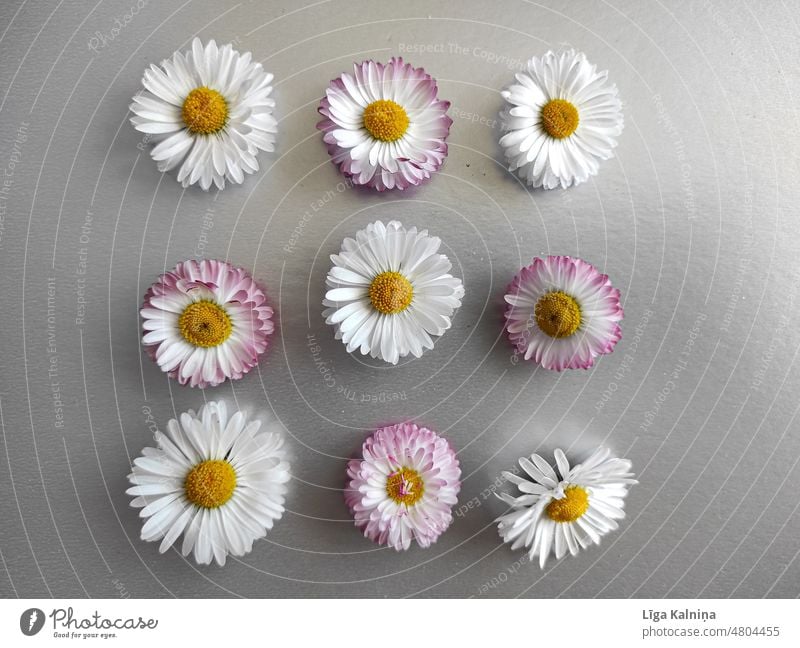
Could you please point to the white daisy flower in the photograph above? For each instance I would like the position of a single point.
(210, 111)
(390, 292)
(565, 513)
(216, 479)
(562, 120)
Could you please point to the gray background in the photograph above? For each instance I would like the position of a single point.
(694, 220)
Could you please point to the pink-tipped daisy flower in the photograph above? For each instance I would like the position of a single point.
(384, 125)
(404, 486)
(562, 313)
(206, 321)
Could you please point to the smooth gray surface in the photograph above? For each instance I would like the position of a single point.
(695, 221)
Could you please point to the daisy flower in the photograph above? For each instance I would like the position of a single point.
(390, 291)
(206, 321)
(404, 486)
(210, 112)
(384, 125)
(567, 513)
(562, 313)
(562, 119)
(216, 479)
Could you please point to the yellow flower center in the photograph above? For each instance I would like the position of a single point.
(559, 118)
(210, 483)
(385, 120)
(205, 324)
(570, 507)
(390, 293)
(205, 111)
(405, 486)
(557, 314)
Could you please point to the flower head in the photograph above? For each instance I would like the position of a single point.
(562, 313)
(390, 291)
(404, 486)
(384, 125)
(568, 511)
(562, 119)
(219, 480)
(206, 321)
(209, 111)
